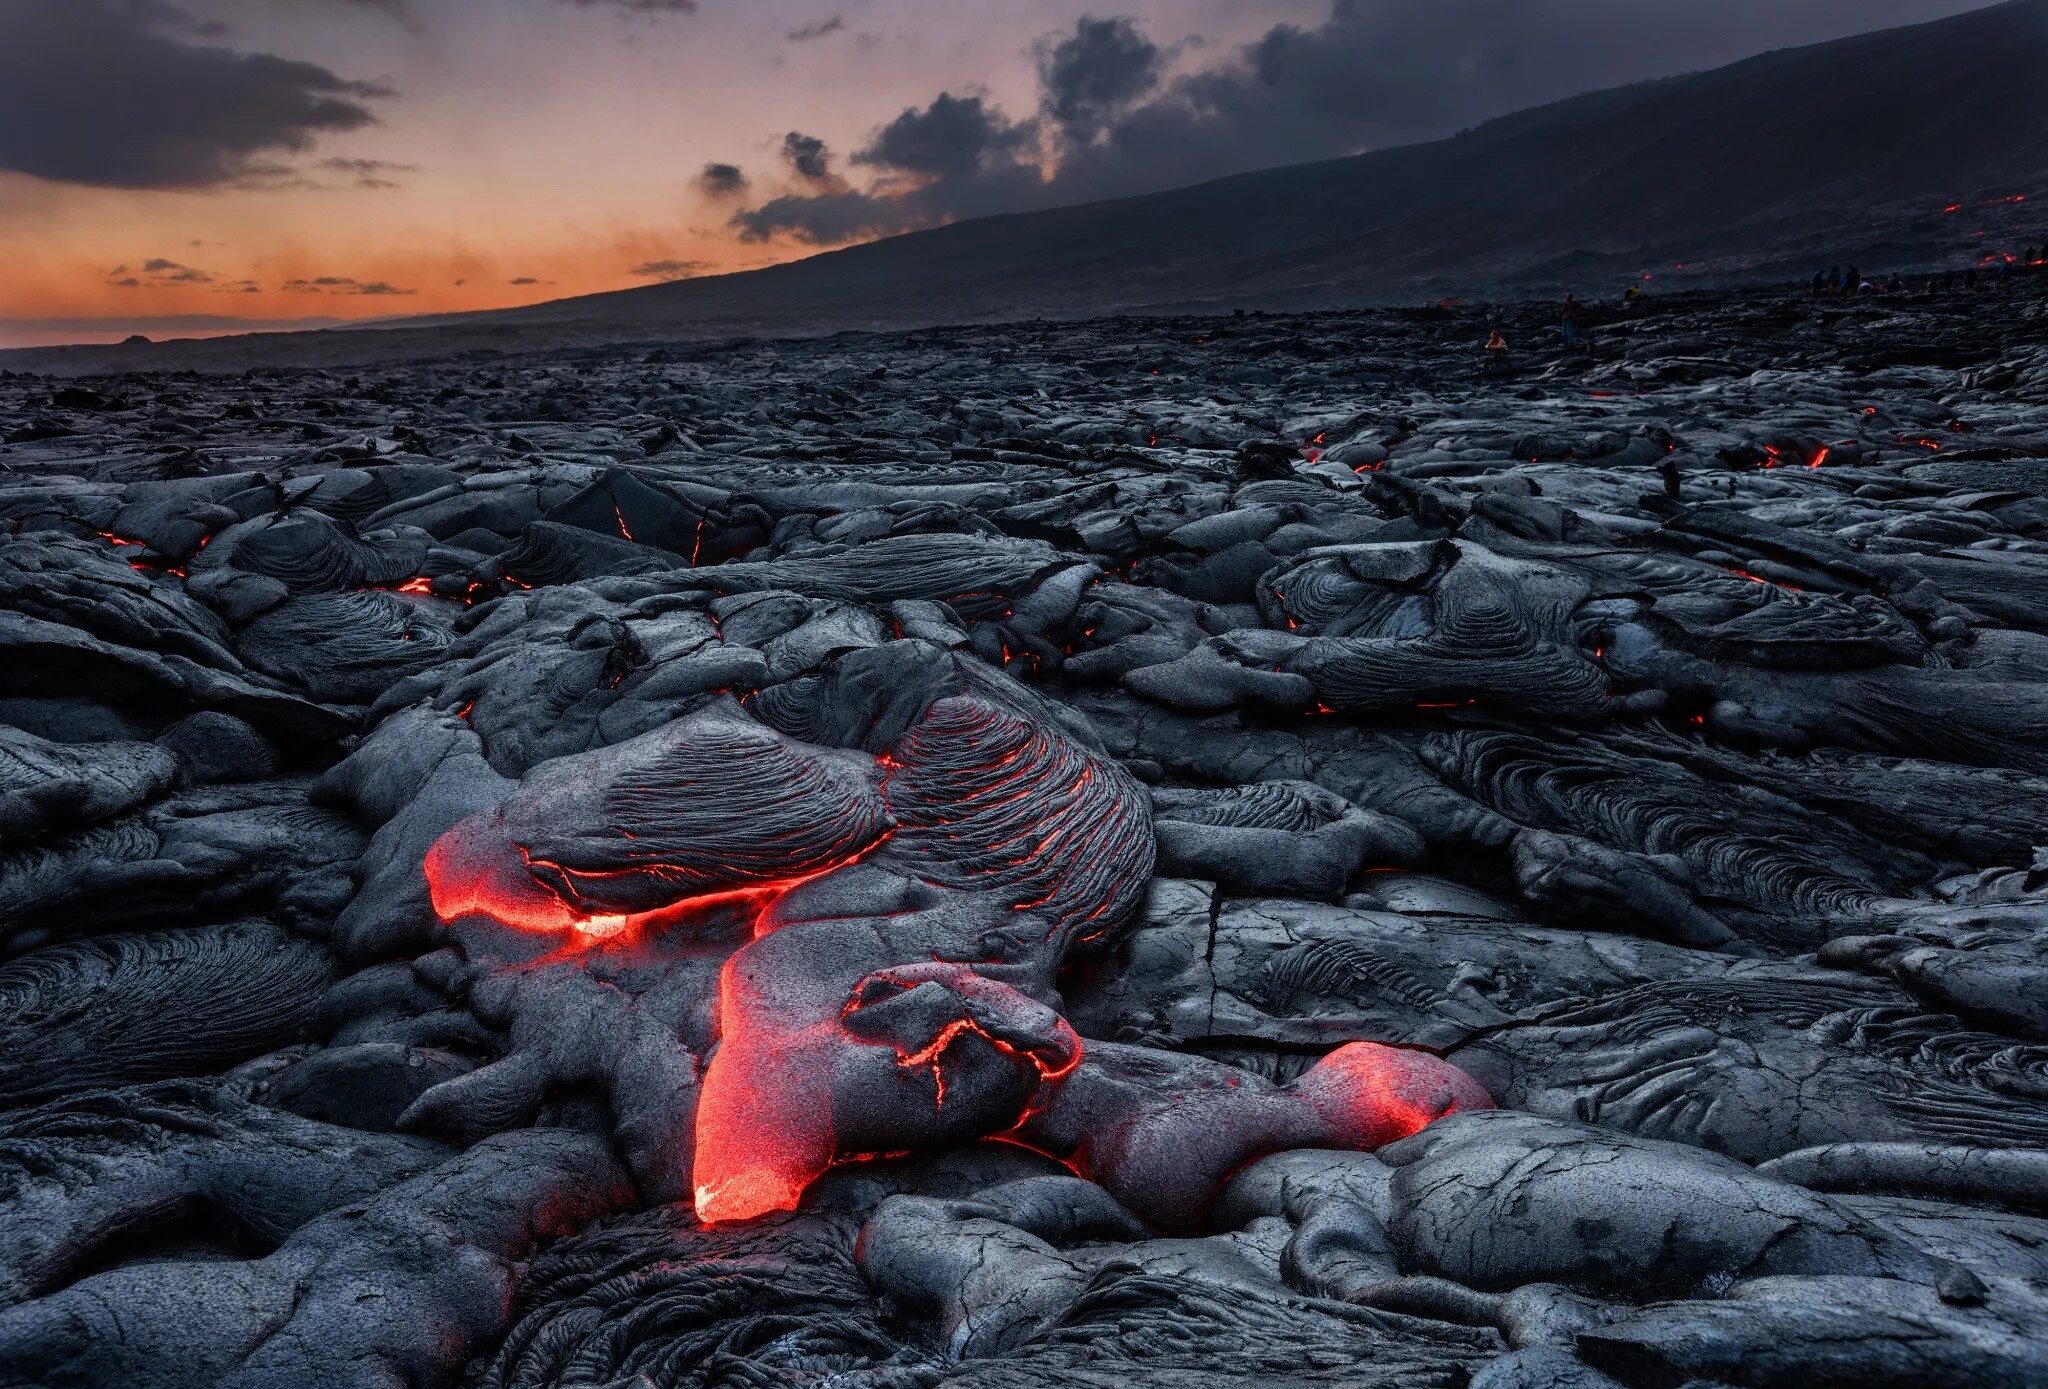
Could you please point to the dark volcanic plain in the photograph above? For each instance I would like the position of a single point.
(463, 820)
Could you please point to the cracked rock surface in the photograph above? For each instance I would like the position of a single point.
(1232, 851)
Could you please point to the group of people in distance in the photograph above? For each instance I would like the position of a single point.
(1834, 283)
(1996, 269)
(1571, 315)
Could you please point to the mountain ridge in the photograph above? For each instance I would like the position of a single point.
(1847, 150)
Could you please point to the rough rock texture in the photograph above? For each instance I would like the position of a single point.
(1238, 851)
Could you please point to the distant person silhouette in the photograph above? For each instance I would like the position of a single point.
(1496, 352)
(1568, 315)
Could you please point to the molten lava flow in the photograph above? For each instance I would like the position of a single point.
(465, 881)
(782, 1076)
(764, 1124)
(1372, 1095)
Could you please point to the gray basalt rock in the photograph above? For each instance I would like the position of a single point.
(1181, 851)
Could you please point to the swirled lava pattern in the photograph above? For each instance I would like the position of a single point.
(900, 920)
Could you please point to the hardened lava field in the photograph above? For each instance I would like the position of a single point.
(1240, 850)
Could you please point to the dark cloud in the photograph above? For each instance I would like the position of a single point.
(158, 271)
(807, 155)
(832, 24)
(369, 173)
(949, 139)
(343, 284)
(723, 180)
(1100, 68)
(1112, 121)
(127, 94)
(667, 269)
(823, 219)
(957, 157)
(524, 280)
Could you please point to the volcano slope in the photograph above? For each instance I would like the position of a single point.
(1231, 851)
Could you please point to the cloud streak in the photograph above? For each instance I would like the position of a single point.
(368, 173)
(344, 285)
(804, 33)
(668, 269)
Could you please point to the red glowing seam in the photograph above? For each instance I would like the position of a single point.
(1742, 573)
(1446, 704)
(890, 1155)
(928, 1054)
(453, 901)
(620, 517)
(1819, 457)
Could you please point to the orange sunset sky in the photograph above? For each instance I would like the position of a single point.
(257, 161)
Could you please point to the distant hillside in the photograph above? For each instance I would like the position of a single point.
(1848, 150)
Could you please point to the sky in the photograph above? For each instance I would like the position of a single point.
(185, 167)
